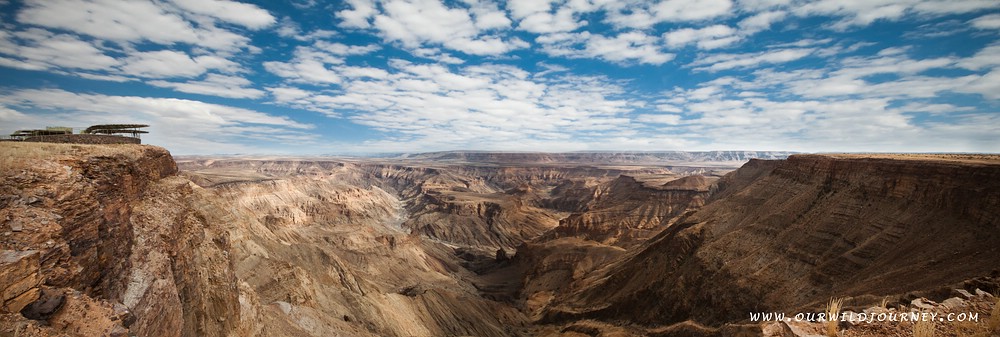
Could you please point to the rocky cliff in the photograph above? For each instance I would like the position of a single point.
(788, 235)
(625, 211)
(108, 223)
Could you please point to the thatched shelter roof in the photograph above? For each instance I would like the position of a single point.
(113, 129)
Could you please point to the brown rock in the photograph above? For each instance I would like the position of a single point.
(18, 303)
(119, 331)
(781, 234)
(19, 279)
(922, 303)
(776, 329)
(962, 292)
(47, 304)
(21, 286)
(17, 265)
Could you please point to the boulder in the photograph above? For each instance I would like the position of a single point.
(19, 279)
(48, 303)
(962, 292)
(922, 304)
(954, 303)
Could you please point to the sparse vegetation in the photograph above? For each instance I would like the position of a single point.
(832, 314)
(923, 328)
(971, 329)
(994, 322)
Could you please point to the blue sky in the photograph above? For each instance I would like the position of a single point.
(313, 77)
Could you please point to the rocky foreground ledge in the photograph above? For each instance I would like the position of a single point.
(86, 252)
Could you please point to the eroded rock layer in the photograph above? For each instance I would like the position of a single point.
(789, 235)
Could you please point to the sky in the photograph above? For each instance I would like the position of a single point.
(368, 76)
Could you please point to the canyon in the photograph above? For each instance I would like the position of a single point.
(126, 240)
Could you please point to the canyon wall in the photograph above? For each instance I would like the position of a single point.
(789, 235)
(119, 242)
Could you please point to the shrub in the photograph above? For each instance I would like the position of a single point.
(832, 315)
(923, 329)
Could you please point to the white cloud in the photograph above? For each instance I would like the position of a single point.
(633, 46)
(246, 15)
(128, 22)
(290, 29)
(37, 49)
(303, 4)
(934, 108)
(668, 119)
(841, 106)
(484, 106)
(988, 85)
(796, 123)
(439, 98)
(850, 81)
(215, 85)
(341, 49)
(124, 41)
(538, 17)
(991, 21)
(760, 21)
(710, 37)
(986, 58)
(13, 120)
(857, 13)
(488, 15)
(754, 6)
(902, 77)
(288, 94)
(437, 55)
(169, 63)
(312, 64)
(645, 15)
(691, 10)
(358, 15)
(718, 62)
(183, 126)
(416, 23)
(303, 71)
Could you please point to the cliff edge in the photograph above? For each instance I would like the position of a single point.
(789, 235)
(119, 249)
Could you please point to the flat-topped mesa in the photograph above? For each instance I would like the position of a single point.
(955, 182)
(788, 235)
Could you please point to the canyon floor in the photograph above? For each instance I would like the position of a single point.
(126, 240)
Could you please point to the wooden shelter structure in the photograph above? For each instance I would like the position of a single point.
(131, 130)
(48, 131)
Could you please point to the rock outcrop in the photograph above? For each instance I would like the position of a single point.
(625, 211)
(116, 225)
(789, 235)
(19, 279)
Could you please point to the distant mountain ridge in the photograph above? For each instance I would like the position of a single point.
(604, 157)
